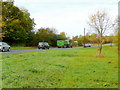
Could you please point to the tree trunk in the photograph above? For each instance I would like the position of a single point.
(100, 48)
(111, 44)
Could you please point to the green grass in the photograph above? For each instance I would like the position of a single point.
(21, 47)
(65, 68)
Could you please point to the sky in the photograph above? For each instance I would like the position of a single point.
(70, 16)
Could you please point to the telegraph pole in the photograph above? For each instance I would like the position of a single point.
(84, 37)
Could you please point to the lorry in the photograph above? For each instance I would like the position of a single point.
(64, 44)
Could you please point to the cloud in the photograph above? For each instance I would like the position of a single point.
(66, 15)
(65, 1)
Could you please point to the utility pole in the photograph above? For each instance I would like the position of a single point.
(84, 37)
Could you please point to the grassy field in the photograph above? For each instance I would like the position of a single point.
(65, 68)
(21, 47)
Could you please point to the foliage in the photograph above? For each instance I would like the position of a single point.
(16, 23)
(17, 27)
(91, 38)
(63, 36)
(49, 35)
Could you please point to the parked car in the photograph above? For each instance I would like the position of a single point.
(4, 47)
(87, 45)
(43, 45)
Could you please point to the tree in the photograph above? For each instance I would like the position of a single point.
(1, 34)
(93, 38)
(100, 22)
(75, 40)
(16, 23)
(31, 39)
(63, 35)
(47, 35)
(79, 41)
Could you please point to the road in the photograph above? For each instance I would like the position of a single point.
(34, 50)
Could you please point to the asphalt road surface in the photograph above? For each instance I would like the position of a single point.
(34, 50)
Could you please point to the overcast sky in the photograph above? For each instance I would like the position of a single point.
(68, 16)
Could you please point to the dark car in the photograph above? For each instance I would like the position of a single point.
(43, 45)
(87, 45)
(4, 47)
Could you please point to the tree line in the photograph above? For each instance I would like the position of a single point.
(92, 39)
(17, 28)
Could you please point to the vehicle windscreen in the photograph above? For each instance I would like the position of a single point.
(40, 43)
(4, 43)
(46, 43)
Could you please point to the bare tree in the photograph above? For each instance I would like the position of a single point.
(100, 22)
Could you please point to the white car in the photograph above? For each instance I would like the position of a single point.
(4, 47)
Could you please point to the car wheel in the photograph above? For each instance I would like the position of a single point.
(43, 47)
(3, 50)
(8, 49)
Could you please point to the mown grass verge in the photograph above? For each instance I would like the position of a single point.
(65, 68)
(21, 47)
